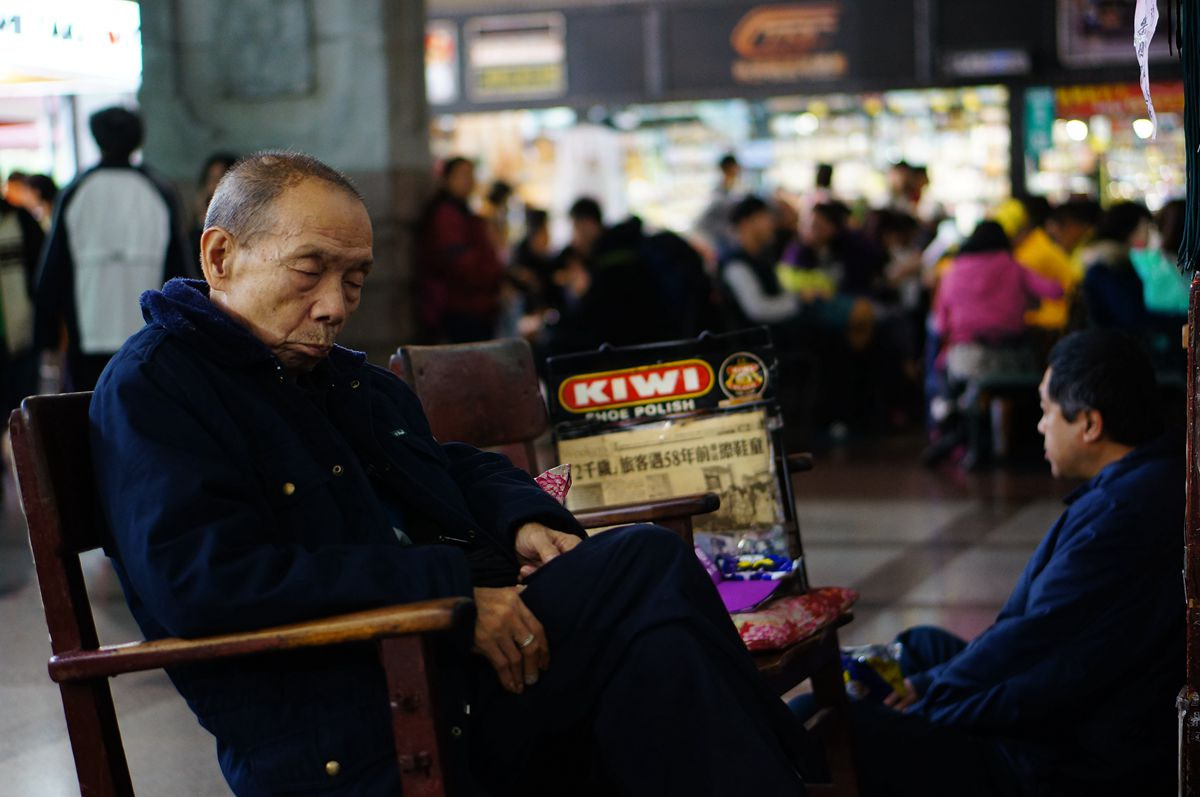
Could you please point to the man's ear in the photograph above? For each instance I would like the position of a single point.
(1093, 426)
(216, 249)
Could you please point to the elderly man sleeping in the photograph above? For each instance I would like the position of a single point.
(253, 473)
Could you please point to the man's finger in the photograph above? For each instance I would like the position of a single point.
(540, 647)
(491, 651)
(565, 542)
(513, 665)
(544, 545)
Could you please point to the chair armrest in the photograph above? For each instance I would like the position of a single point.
(799, 463)
(649, 511)
(410, 618)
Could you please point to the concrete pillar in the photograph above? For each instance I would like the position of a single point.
(342, 80)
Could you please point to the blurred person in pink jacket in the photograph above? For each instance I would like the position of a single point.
(979, 315)
(984, 296)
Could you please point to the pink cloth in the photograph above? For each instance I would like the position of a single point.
(984, 296)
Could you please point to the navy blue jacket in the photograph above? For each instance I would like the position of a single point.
(237, 497)
(1082, 666)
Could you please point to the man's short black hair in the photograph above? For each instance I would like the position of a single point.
(836, 213)
(536, 220)
(1107, 371)
(43, 185)
(586, 208)
(1079, 211)
(746, 208)
(1121, 221)
(246, 191)
(1037, 208)
(824, 175)
(727, 162)
(118, 131)
(452, 163)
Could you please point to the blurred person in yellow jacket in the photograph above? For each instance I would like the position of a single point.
(1045, 239)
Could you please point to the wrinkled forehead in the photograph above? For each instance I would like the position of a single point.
(315, 210)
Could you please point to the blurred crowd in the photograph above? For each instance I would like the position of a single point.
(883, 318)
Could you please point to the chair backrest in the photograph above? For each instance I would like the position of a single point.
(52, 454)
(485, 394)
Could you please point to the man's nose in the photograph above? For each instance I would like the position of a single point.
(330, 307)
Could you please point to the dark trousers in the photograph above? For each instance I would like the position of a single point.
(900, 754)
(649, 690)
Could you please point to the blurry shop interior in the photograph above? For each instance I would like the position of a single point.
(538, 100)
(60, 60)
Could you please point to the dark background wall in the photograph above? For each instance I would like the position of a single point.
(679, 49)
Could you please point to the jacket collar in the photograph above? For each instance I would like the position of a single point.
(184, 310)
(1164, 446)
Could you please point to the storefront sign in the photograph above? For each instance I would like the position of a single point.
(1039, 121)
(1096, 32)
(987, 63)
(612, 388)
(786, 43)
(65, 40)
(516, 57)
(1120, 100)
(441, 62)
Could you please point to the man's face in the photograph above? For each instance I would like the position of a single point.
(585, 232)
(297, 281)
(821, 231)
(755, 232)
(460, 181)
(1063, 440)
(1067, 233)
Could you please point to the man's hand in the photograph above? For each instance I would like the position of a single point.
(903, 702)
(537, 544)
(510, 637)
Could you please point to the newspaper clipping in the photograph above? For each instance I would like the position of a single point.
(727, 453)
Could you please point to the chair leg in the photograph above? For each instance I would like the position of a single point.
(95, 739)
(408, 663)
(829, 689)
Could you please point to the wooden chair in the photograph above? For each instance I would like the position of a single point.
(487, 394)
(54, 469)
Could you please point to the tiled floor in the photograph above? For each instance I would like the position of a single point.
(921, 547)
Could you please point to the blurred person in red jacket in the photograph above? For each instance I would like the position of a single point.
(459, 274)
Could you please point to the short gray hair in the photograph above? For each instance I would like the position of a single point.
(247, 190)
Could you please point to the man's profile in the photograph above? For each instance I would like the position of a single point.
(252, 472)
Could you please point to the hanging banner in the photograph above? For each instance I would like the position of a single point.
(1145, 22)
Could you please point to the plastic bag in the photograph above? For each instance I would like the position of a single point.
(872, 672)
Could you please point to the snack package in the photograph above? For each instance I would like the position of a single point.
(872, 672)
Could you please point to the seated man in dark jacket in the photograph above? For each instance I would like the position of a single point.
(253, 473)
(1072, 689)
